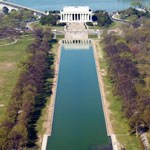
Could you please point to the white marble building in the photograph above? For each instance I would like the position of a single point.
(76, 14)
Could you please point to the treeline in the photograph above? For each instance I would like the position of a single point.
(51, 19)
(122, 72)
(16, 19)
(8, 32)
(134, 14)
(138, 40)
(129, 76)
(17, 131)
(102, 18)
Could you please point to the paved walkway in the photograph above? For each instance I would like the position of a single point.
(145, 141)
(76, 31)
(15, 41)
(114, 17)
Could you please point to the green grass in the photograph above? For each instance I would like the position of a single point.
(11, 56)
(119, 122)
(92, 36)
(115, 25)
(6, 41)
(57, 27)
(59, 36)
(112, 26)
(38, 25)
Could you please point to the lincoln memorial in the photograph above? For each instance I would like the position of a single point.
(76, 14)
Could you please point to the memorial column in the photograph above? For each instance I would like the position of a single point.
(70, 17)
(67, 17)
(80, 17)
(61, 17)
(83, 17)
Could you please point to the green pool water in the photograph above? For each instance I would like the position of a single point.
(78, 117)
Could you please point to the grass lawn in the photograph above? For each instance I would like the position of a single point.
(92, 36)
(60, 36)
(10, 57)
(38, 25)
(6, 41)
(114, 25)
(119, 123)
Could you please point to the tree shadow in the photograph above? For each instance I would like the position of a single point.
(40, 103)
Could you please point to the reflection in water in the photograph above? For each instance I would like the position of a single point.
(79, 122)
(95, 147)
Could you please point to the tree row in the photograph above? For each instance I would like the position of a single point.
(18, 130)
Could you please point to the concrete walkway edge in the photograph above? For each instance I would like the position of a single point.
(44, 142)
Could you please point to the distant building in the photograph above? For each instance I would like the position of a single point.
(76, 14)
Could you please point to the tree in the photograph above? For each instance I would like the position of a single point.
(5, 10)
(128, 61)
(146, 115)
(102, 18)
(49, 19)
(18, 137)
(29, 95)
